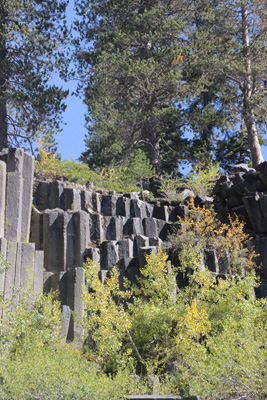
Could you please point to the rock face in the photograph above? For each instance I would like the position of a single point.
(25, 261)
(46, 243)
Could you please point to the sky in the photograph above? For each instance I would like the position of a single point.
(71, 139)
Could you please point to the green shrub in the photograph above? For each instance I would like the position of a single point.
(201, 227)
(35, 364)
(211, 334)
(200, 181)
(121, 178)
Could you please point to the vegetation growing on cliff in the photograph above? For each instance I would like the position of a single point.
(123, 178)
(206, 339)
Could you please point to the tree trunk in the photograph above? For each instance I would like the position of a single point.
(248, 111)
(3, 116)
(151, 139)
(253, 140)
(3, 54)
(154, 155)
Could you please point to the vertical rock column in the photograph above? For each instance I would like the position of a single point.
(75, 283)
(2, 197)
(14, 191)
(26, 204)
(25, 265)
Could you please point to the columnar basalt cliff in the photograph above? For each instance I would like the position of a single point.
(47, 242)
(26, 262)
(245, 194)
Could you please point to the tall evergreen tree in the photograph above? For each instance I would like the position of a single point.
(129, 55)
(229, 46)
(33, 35)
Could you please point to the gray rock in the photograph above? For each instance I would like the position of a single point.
(2, 197)
(125, 248)
(108, 205)
(14, 191)
(260, 243)
(262, 171)
(65, 322)
(159, 397)
(130, 266)
(108, 254)
(254, 210)
(144, 252)
(63, 287)
(41, 197)
(4, 155)
(18, 267)
(225, 267)
(3, 248)
(38, 272)
(150, 227)
(155, 242)
(178, 212)
(123, 206)
(137, 209)
(36, 235)
(161, 212)
(251, 176)
(241, 212)
(82, 236)
(184, 194)
(140, 241)
(96, 227)
(132, 195)
(149, 209)
(113, 227)
(234, 199)
(263, 205)
(211, 260)
(96, 199)
(163, 229)
(93, 253)
(47, 281)
(242, 168)
(70, 200)
(27, 265)
(133, 226)
(87, 200)
(56, 189)
(11, 271)
(53, 241)
(103, 275)
(244, 188)
(238, 177)
(261, 291)
(26, 205)
(225, 189)
(75, 284)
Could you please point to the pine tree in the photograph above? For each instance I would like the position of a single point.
(129, 55)
(229, 46)
(33, 35)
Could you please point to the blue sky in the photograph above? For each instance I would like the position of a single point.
(71, 139)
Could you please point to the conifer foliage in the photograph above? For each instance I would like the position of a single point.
(33, 35)
(129, 56)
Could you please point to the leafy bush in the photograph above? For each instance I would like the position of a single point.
(35, 364)
(122, 178)
(202, 334)
(200, 181)
(202, 227)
